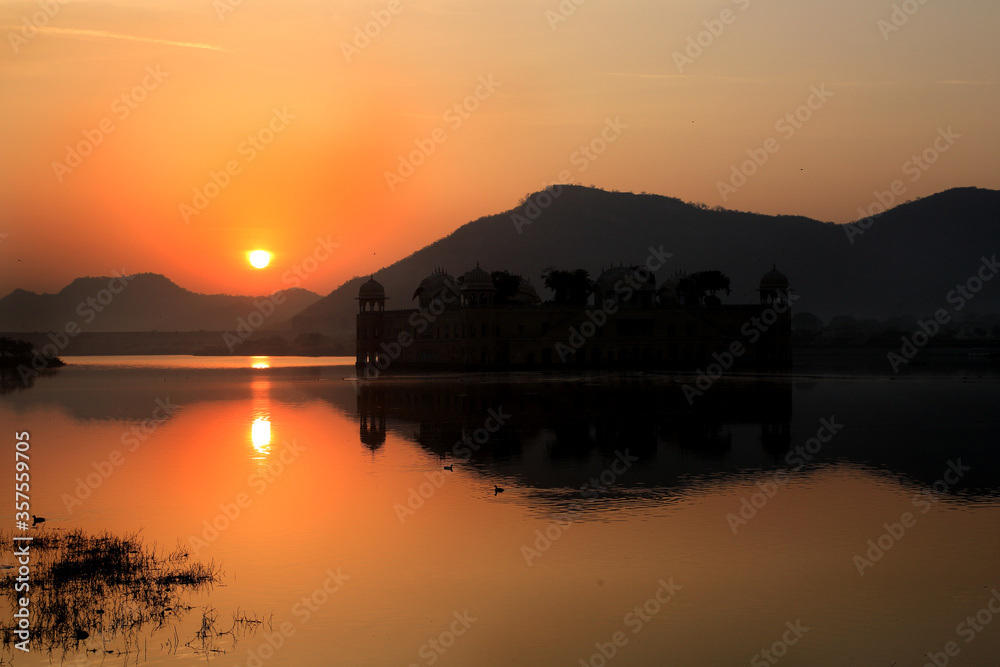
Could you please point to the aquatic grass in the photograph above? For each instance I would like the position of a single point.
(109, 590)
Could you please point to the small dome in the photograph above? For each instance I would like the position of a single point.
(371, 290)
(477, 280)
(774, 280)
(605, 283)
(668, 291)
(669, 286)
(526, 293)
(434, 284)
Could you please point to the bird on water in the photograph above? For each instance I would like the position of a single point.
(496, 490)
(35, 520)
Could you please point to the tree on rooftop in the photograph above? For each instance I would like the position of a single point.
(570, 287)
(507, 285)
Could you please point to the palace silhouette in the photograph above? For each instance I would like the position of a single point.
(460, 323)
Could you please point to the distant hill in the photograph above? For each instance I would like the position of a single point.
(149, 302)
(904, 264)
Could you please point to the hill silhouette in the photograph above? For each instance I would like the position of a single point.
(903, 264)
(149, 302)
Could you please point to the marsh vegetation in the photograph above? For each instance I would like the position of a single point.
(115, 595)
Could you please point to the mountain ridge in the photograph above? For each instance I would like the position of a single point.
(900, 262)
(873, 276)
(145, 302)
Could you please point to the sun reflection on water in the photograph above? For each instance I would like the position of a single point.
(260, 436)
(260, 428)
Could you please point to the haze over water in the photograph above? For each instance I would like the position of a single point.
(696, 533)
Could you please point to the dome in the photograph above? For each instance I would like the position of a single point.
(477, 280)
(774, 280)
(605, 283)
(371, 290)
(434, 284)
(670, 285)
(678, 289)
(526, 293)
(668, 291)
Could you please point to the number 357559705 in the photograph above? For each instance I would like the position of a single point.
(22, 476)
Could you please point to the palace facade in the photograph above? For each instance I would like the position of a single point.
(630, 321)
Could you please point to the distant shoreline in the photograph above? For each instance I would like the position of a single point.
(209, 343)
(200, 343)
(14, 362)
(846, 361)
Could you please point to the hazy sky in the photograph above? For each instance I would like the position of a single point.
(310, 115)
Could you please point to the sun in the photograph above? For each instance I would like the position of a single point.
(259, 258)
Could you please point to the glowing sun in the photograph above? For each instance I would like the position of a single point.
(260, 258)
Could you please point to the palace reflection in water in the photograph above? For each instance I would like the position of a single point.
(548, 433)
(559, 431)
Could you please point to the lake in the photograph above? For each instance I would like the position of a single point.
(822, 517)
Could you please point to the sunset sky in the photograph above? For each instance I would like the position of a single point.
(154, 97)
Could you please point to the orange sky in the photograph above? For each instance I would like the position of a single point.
(201, 77)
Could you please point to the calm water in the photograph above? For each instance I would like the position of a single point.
(689, 535)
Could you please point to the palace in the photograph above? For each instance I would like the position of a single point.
(629, 321)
